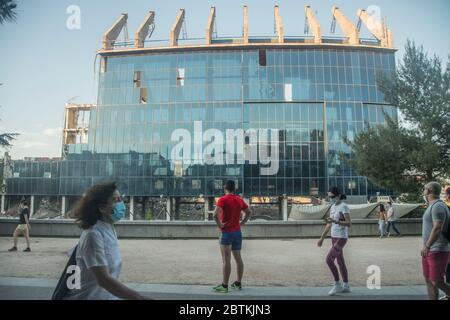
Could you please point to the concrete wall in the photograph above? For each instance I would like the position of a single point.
(207, 229)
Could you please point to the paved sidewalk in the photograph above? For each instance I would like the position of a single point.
(272, 263)
(42, 289)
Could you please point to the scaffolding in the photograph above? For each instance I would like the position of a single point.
(76, 123)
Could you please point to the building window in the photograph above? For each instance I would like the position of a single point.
(262, 58)
(196, 184)
(16, 175)
(178, 169)
(103, 65)
(160, 171)
(143, 98)
(288, 92)
(180, 77)
(159, 184)
(218, 184)
(137, 79)
(47, 175)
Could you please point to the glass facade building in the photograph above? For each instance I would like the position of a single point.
(313, 96)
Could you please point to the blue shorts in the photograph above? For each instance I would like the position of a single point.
(232, 238)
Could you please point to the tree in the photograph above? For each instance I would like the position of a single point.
(7, 138)
(8, 11)
(402, 156)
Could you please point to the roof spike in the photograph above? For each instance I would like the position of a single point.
(176, 28)
(279, 24)
(349, 29)
(110, 36)
(210, 25)
(144, 29)
(313, 24)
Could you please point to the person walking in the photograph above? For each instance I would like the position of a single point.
(227, 215)
(23, 227)
(391, 219)
(436, 247)
(382, 220)
(339, 222)
(98, 254)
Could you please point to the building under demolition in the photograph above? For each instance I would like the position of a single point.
(175, 119)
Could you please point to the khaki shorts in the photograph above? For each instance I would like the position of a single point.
(22, 227)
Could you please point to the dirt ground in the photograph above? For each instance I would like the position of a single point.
(297, 262)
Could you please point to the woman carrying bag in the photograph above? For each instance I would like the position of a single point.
(97, 254)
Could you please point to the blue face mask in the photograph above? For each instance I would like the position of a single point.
(333, 200)
(118, 211)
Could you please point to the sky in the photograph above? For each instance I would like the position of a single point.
(44, 64)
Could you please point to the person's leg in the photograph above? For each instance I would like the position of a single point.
(226, 263)
(332, 254)
(16, 235)
(433, 292)
(236, 246)
(340, 259)
(388, 227)
(27, 237)
(239, 264)
(426, 276)
(438, 264)
(395, 228)
(381, 228)
(447, 273)
(441, 285)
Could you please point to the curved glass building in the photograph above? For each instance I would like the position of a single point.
(180, 119)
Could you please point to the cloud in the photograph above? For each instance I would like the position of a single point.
(44, 143)
(52, 132)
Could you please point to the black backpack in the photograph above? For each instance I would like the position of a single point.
(445, 232)
(61, 288)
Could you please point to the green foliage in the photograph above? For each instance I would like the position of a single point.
(8, 11)
(6, 138)
(402, 156)
(149, 215)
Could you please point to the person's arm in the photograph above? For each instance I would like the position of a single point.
(217, 212)
(248, 214)
(390, 213)
(434, 235)
(324, 234)
(27, 221)
(347, 222)
(438, 218)
(114, 286)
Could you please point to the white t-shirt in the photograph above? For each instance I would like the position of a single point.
(98, 246)
(337, 213)
(391, 214)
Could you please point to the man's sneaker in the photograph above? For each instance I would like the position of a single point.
(221, 289)
(12, 249)
(337, 288)
(346, 288)
(236, 285)
(444, 298)
(27, 250)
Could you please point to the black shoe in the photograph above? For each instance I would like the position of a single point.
(27, 250)
(12, 249)
(237, 285)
